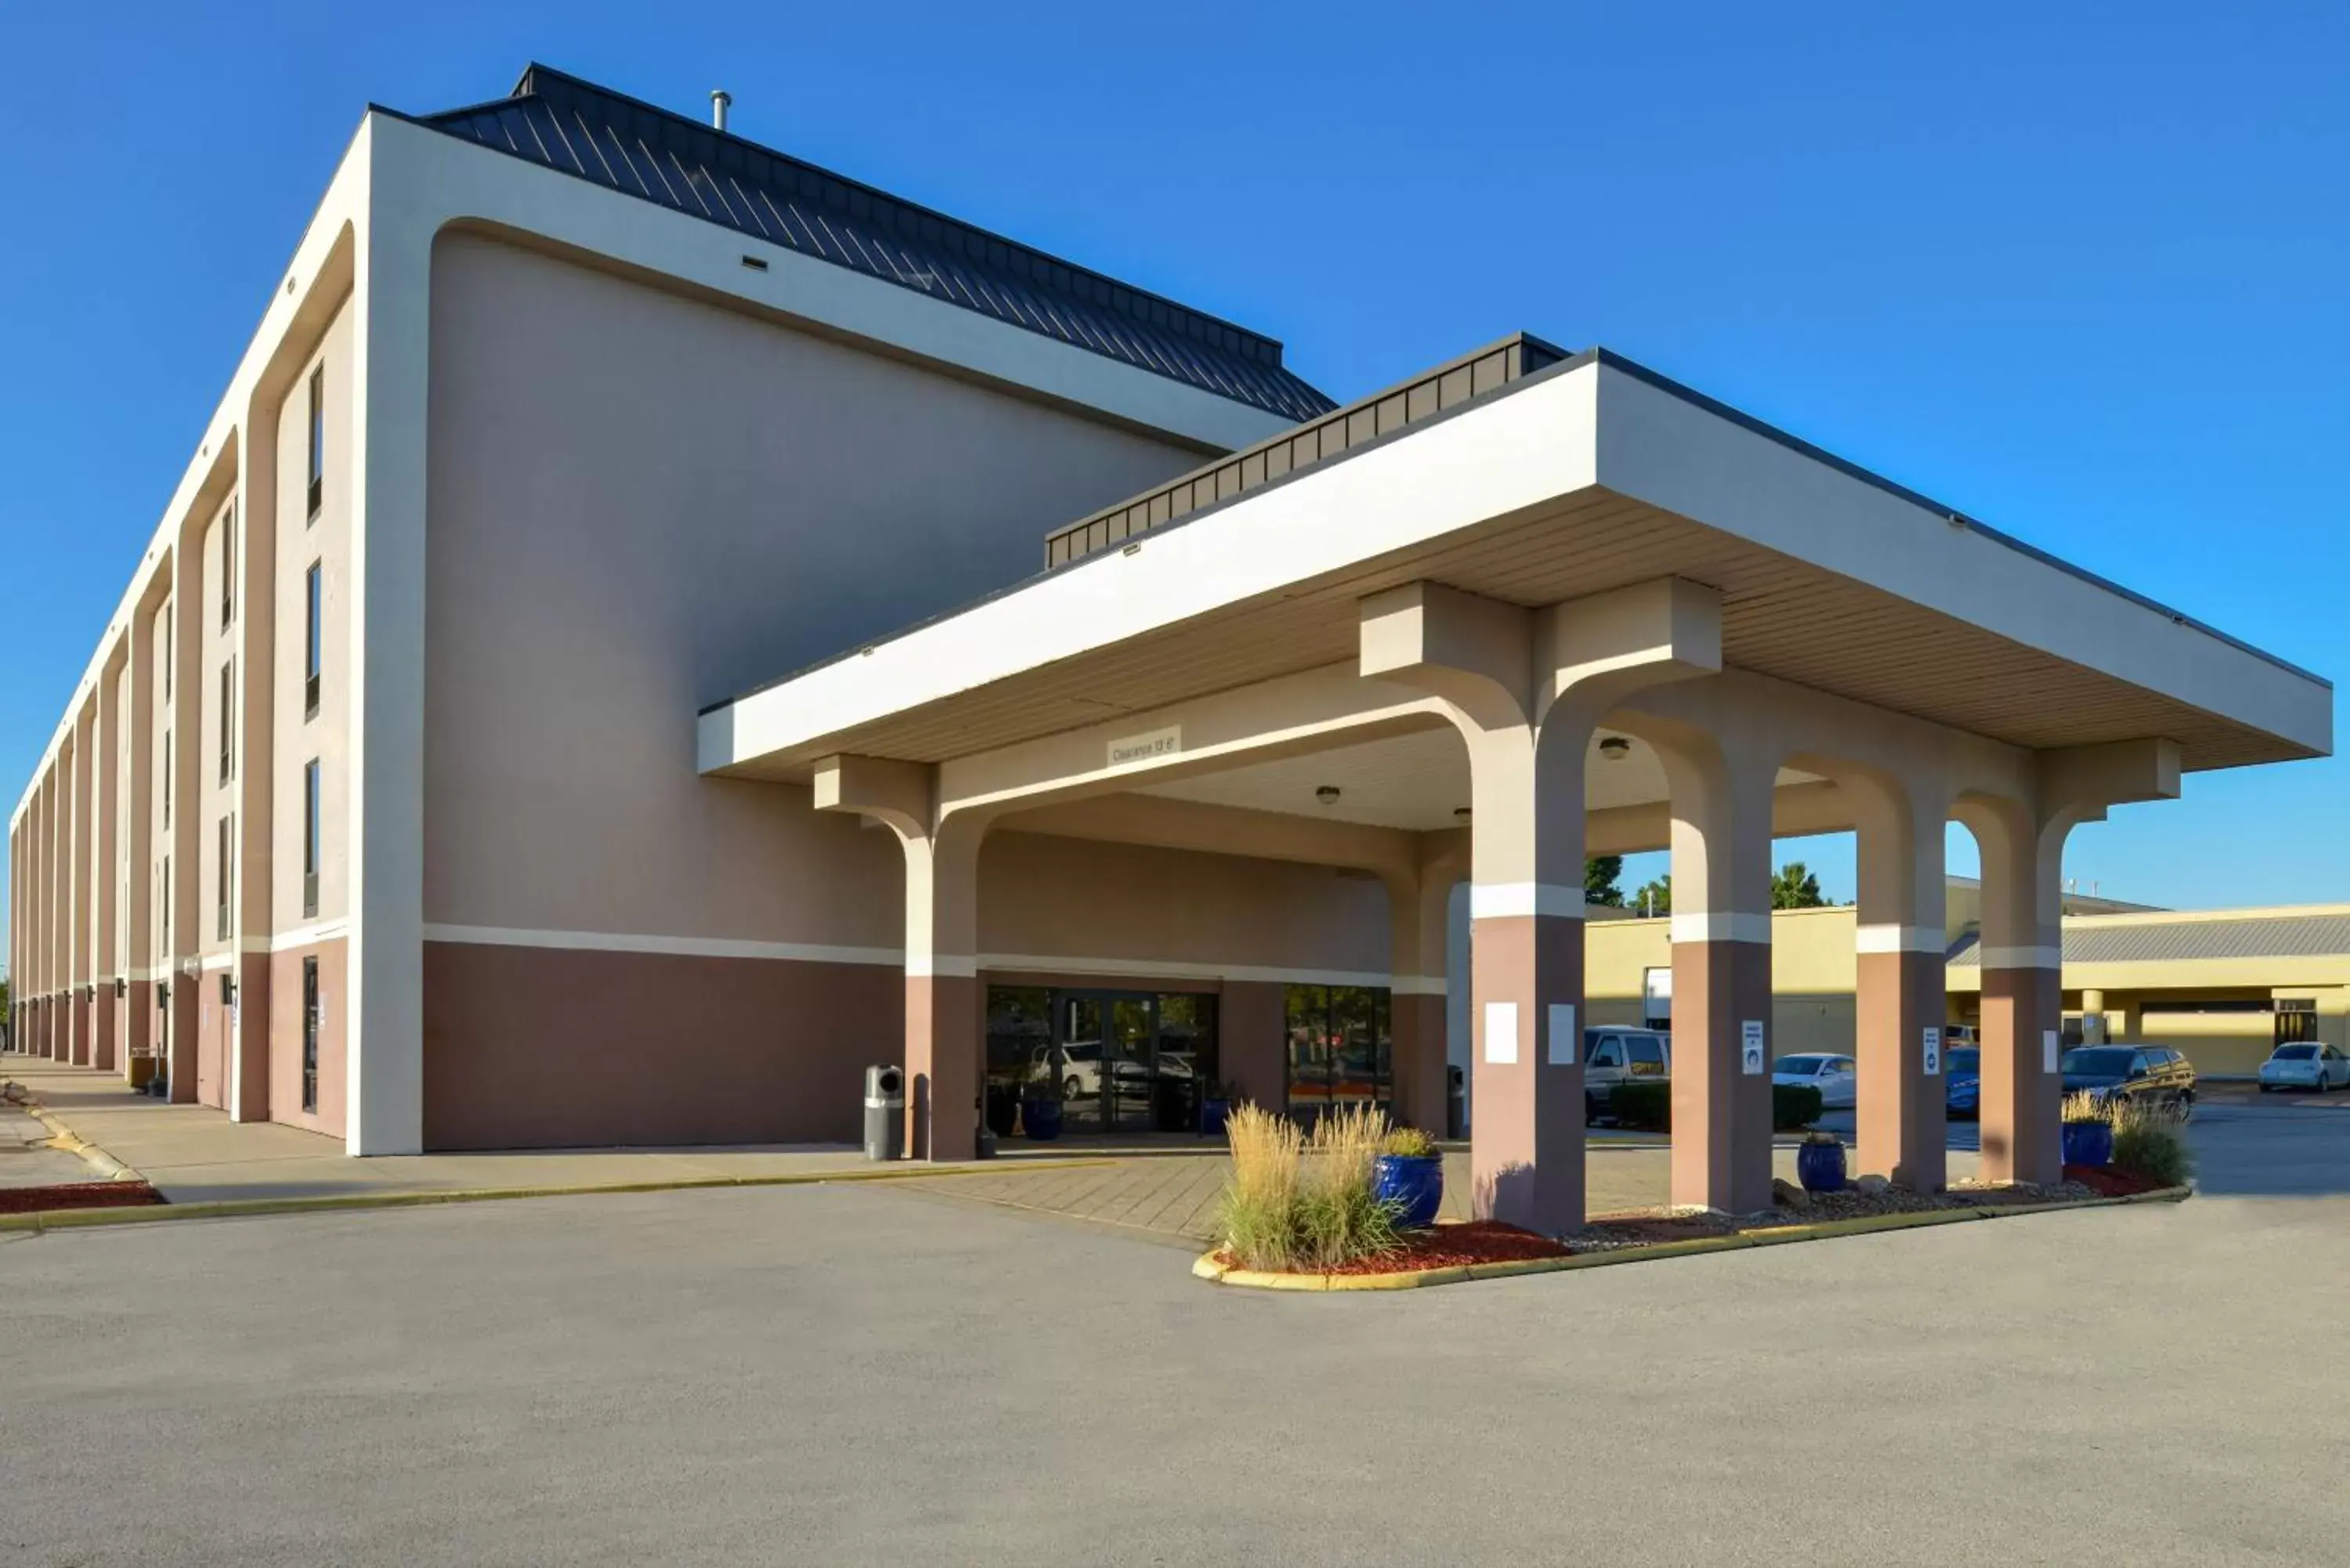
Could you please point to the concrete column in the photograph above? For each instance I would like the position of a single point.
(945, 1008)
(58, 914)
(1721, 810)
(138, 956)
(188, 757)
(82, 880)
(2022, 849)
(1418, 990)
(106, 959)
(1901, 1006)
(1525, 689)
(2092, 1018)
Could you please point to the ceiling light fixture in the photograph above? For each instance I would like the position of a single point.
(1327, 794)
(1615, 748)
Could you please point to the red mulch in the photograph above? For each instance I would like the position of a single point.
(1450, 1246)
(2109, 1182)
(78, 1195)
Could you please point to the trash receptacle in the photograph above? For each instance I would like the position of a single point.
(884, 1112)
(1456, 1103)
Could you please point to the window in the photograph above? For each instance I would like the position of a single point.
(228, 566)
(227, 724)
(1607, 1051)
(163, 915)
(167, 778)
(169, 660)
(318, 440)
(310, 840)
(226, 861)
(313, 643)
(310, 1035)
(1339, 1052)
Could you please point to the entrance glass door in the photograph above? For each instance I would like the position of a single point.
(1128, 1065)
(1080, 1064)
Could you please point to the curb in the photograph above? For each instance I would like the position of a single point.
(1207, 1268)
(224, 1208)
(64, 1138)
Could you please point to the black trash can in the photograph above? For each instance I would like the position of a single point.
(1456, 1103)
(884, 1112)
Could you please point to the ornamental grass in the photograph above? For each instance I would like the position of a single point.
(1301, 1202)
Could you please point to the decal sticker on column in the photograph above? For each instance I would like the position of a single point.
(1562, 1034)
(1750, 1049)
(1933, 1052)
(2048, 1050)
(1502, 1033)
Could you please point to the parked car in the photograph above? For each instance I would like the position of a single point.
(1834, 1077)
(2304, 1064)
(1612, 1056)
(1963, 1082)
(2147, 1074)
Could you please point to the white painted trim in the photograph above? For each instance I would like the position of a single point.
(298, 937)
(943, 966)
(684, 947)
(1896, 938)
(1513, 901)
(1034, 964)
(2022, 958)
(213, 963)
(1721, 927)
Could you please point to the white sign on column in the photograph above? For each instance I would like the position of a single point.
(1750, 1051)
(1502, 1033)
(1562, 1034)
(1933, 1052)
(2048, 1050)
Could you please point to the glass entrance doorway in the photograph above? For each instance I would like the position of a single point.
(1122, 1061)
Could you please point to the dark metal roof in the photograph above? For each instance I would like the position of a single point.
(1450, 385)
(585, 130)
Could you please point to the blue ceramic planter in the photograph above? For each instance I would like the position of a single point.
(1041, 1118)
(1414, 1183)
(1820, 1167)
(1212, 1115)
(2089, 1143)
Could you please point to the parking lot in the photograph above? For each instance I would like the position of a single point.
(847, 1375)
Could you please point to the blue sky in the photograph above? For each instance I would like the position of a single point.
(2075, 270)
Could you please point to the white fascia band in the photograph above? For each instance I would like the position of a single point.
(1509, 901)
(2022, 957)
(1722, 928)
(1892, 938)
(943, 966)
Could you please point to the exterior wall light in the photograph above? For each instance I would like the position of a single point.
(1615, 748)
(1327, 794)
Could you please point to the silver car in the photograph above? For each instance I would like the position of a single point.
(2305, 1065)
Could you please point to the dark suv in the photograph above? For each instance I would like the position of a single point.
(2146, 1075)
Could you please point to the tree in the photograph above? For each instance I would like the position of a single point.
(1655, 898)
(1794, 887)
(1600, 874)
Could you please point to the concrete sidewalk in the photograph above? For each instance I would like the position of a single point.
(193, 1154)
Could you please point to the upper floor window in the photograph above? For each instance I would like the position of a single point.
(170, 653)
(317, 438)
(167, 778)
(227, 719)
(314, 640)
(310, 843)
(228, 566)
(224, 877)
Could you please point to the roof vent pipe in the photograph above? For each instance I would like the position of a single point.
(719, 101)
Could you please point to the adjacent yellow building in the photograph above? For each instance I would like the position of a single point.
(2225, 986)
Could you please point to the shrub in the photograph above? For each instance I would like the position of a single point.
(1298, 1201)
(1408, 1142)
(1645, 1108)
(2150, 1142)
(1793, 1105)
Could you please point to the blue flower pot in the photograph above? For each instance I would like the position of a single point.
(1041, 1118)
(2089, 1143)
(1414, 1183)
(1820, 1167)
(1212, 1115)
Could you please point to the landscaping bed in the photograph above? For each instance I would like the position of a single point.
(1446, 1246)
(78, 1195)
